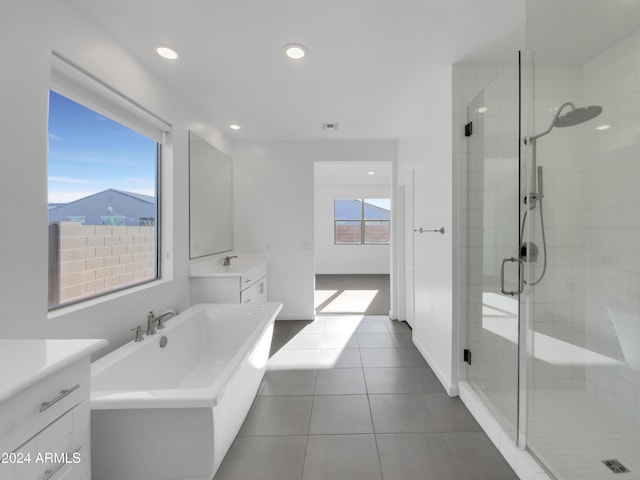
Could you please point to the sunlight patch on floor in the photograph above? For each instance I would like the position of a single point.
(322, 296)
(347, 301)
(322, 343)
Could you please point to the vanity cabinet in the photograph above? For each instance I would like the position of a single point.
(44, 409)
(234, 284)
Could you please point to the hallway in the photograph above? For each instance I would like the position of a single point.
(350, 397)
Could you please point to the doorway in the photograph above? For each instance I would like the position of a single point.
(352, 220)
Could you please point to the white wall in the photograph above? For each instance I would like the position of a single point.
(345, 259)
(29, 31)
(427, 149)
(274, 209)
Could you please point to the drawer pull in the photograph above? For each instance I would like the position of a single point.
(63, 393)
(247, 300)
(50, 473)
(248, 280)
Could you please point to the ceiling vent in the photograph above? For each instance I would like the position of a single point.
(330, 126)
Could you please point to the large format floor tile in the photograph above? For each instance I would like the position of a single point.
(375, 340)
(264, 458)
(278, 416)
(340, 381)
(401, 413)
(350, 397)
(341, 457)
(339, 358)
(335, 414)
(417, 456)
(338, 340)
(381, 357)
(401, 380)
(450, 413)
(289, 382)
(478, 457)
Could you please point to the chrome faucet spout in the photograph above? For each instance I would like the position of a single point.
(226, 261)
(163, 317)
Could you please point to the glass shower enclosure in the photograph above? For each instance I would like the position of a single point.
(492, 270)
(551, 265)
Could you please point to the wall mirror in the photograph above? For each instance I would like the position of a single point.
(210, 197)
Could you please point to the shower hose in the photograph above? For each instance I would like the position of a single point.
(544, 243)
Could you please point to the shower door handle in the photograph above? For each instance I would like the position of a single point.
(511, 293)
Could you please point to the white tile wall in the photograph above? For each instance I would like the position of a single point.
(612, 225)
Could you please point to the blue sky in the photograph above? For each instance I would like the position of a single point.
(89, 152)
(351, 209)
(380, 202)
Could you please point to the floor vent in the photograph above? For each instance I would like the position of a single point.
(615, 466)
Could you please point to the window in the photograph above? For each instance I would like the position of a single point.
(362, 221)
(102, 190)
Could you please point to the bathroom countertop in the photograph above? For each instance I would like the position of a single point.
(236, 269)
(25, 362)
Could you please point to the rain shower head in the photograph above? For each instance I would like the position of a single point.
(573, 117)
(577, 116)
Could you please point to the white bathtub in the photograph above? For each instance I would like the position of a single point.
(171, 413)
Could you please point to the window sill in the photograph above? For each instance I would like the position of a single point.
(61, 312)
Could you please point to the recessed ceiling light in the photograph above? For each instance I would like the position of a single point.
(371, 172)
(166, 52)
(603, 127)
(481, 109)
(234, 126)
(294, 51)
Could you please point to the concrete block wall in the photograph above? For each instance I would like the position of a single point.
(98, 258)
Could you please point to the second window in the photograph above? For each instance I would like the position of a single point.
(362, 221)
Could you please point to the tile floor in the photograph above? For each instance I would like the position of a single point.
(351, 398)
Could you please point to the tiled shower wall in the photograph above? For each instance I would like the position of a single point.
(612, 225)
(590, 296)
(557, 301)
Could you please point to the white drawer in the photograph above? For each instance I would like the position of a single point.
(256, 293)
(60, 451)
(26, 413)
(249, 278)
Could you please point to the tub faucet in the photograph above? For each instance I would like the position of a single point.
(163, 317)
(226, 261)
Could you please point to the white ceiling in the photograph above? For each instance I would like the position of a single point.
(367, 60)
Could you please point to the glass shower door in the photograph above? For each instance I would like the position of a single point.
(492, 230)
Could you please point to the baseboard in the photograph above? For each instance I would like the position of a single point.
(452, 390)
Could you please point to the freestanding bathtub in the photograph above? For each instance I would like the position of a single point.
(171, 413)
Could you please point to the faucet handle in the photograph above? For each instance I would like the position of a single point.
(139, 334)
